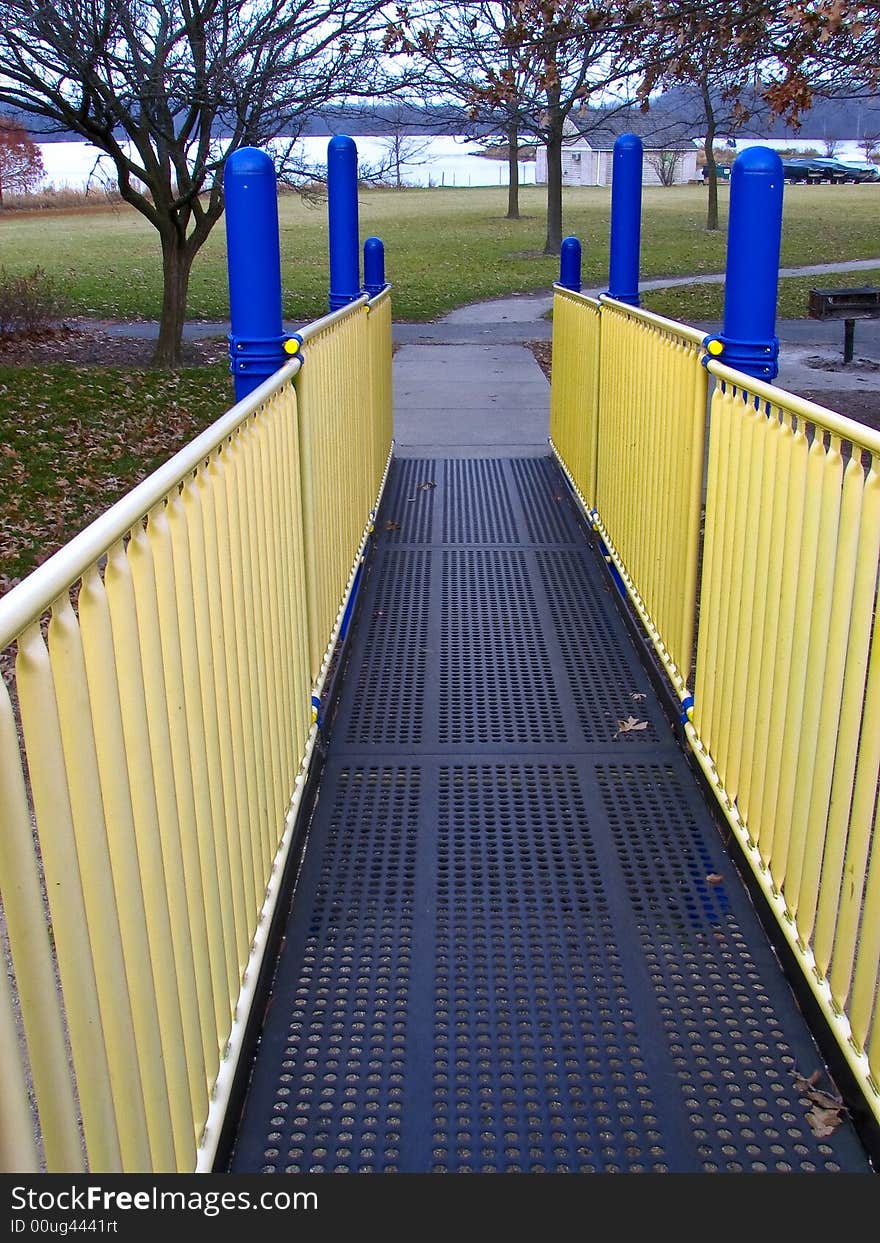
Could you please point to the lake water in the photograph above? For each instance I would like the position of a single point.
(441, 161)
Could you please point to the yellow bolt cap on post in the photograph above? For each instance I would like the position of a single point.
(292, 345)
(715, 347)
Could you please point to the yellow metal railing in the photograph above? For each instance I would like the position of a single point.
(153, 749)
(574, 393)
(785, 713)
(786, 716)
(628, 402)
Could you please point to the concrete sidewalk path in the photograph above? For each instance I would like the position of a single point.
(469, 400)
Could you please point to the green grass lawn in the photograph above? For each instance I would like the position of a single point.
(75, 439)
(694, 303)
(445, 248)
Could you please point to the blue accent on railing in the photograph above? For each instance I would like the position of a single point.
(753, 242)
(342, 214)
(626, 219)
(570, 264)
(686, 704)
(256, 342)
(352, 600)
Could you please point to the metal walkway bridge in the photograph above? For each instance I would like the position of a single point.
(517, 942)
(378, 813)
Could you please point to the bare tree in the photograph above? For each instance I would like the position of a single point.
(566, 51)
(167, 88)
(870, 144)
(718, 51)
(21, 165)
(524, 65)
(665, 164)
(462, 52)
(831, 146)
(401, 150)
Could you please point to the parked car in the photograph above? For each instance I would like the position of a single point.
(816, 169)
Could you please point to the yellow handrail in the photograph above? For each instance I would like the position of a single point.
(153, 749)
(785, 712)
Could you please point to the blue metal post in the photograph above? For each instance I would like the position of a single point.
(256, 343)
(342, 209)
(374, 266)
(748, 341)
(626, 219)
(570, 264)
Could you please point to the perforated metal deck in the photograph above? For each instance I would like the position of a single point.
(516, 942)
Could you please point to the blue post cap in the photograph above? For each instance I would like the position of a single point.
(341, 147)
(248, 162)
(626, 143)
(570, 264)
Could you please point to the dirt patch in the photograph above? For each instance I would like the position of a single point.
(90, 347)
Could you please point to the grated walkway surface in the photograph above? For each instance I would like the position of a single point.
(516, 942)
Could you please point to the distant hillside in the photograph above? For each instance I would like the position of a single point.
(673, 111)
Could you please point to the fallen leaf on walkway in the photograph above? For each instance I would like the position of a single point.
(638, 695)
(427, 485)
(630, 725)
(816, 1096)
(824, 1122)
(714, 879)
(392, 526)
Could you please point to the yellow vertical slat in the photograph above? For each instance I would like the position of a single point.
(709, 572)
(828, 733)
(215, 648)
(18, 1153)
(762, 602)
(862, 1007)
(159, 536)
(777, 532)
(195, 1003)
(718, 512)
(31, 955)
(260, 691)
(806, 539)
(746, 652)
(854, 797)
(740, 576)
(237, 617)
(42, 735)
(111, 769)
(268, 588)
(818, 618)
(790, 536)
(114, 999)
(177, 601)
(172, 976)
(200, 548)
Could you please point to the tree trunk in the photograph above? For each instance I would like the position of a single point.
(712, 182)
(711, 166)
(177, 257)
(554, 192)
(512, 172)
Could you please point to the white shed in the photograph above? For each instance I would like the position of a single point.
(586, 157)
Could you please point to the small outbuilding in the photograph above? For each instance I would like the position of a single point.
(587, 151)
